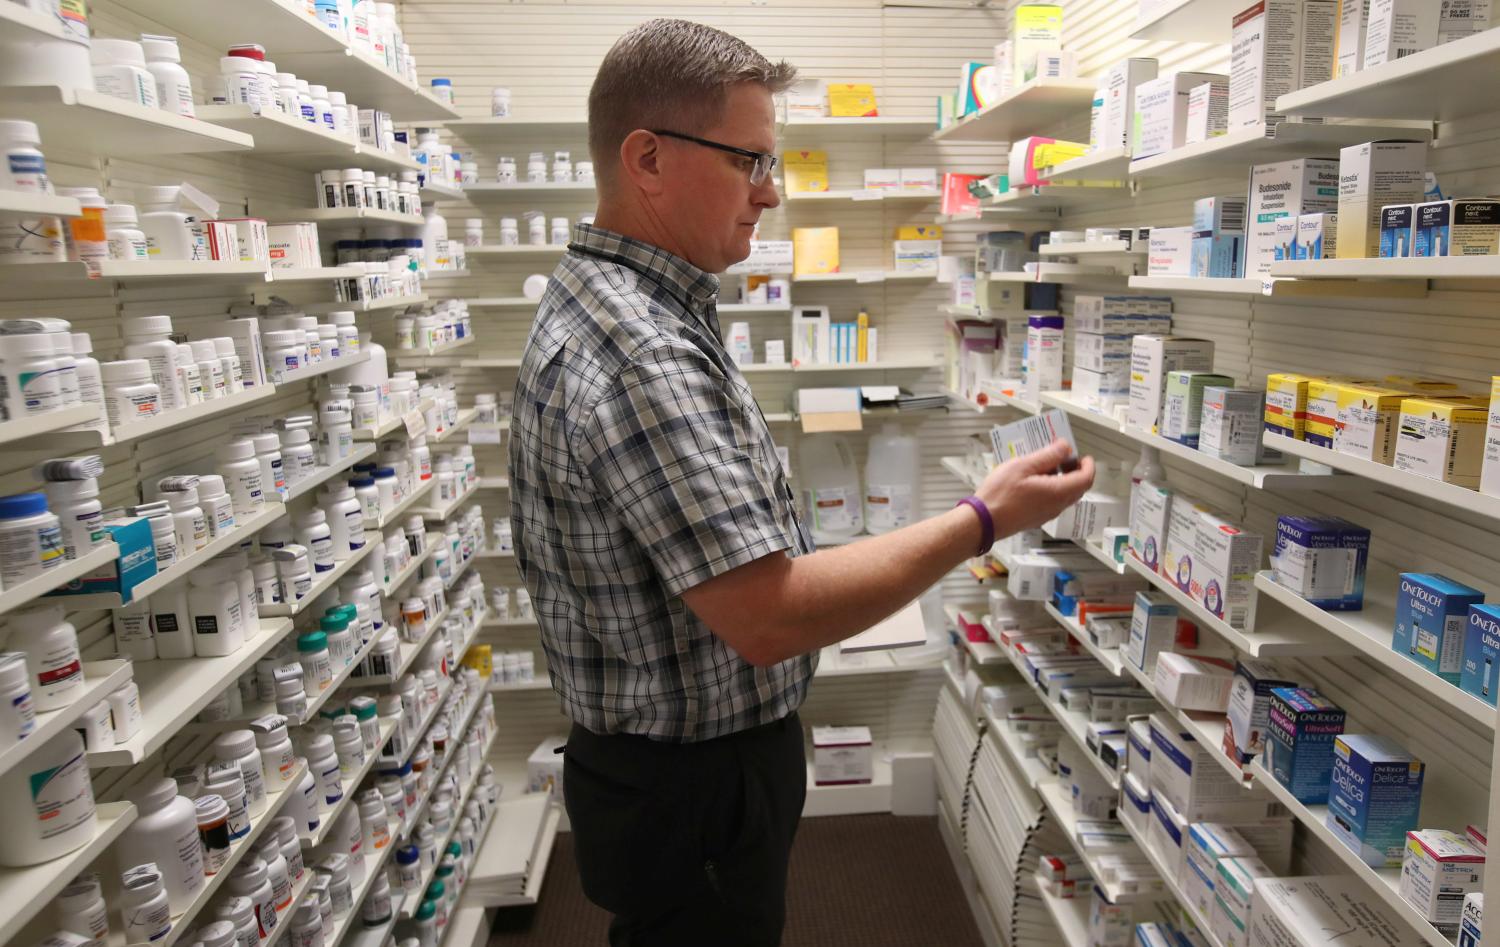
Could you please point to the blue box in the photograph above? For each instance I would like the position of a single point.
(1322, 559)
(1301, 725)
(1430, 228)
(135, 564)
(1481, 653)
(1374, 797)
(1396, 229)
(1216, 256)
(1431, 611)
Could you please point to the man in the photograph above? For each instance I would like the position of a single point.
(681, 602)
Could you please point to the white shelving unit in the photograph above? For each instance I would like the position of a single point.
(294, 143)
(1031, 109)
(1281, 288)
(1191, 21)
(26, 891)
(495, 190)
(1232, 155)
(59, 576)
(95, 124)
(100, 679)
(1105, 164)
(862, 195)
(32, 204)
(865, 276)
(519, 251)
(1389, 268)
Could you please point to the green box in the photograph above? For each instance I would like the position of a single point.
(1182, 407)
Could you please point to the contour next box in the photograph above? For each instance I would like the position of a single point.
(1481, 652)
(1370, 177)
(1285, 189)
(1439, 871)
(1322, 559)
(1475, 228)
(1442, 439)
(1301, 725)
(1431, 611)
(1276, 47)
(1374, 796)
(1159, 123)
(1213, 560)
(1249, 705)
(1286, 404)
(1150, 515)
(1301, 912)
(1397, 225)
(1151, 358)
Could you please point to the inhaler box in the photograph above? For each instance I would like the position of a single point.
(1285, 189)
(1442, 439)
(1229, 428)
(1440, 869)
(1151, 358)
(1301, 912)
(1161, 105)
(1218, 237)
(1249, 705)
(1214, 561)
(1431, 614)
(1150, 515)
(1276, 47)
(1322, 559)
(1301, 725)
(1374, 796)
(1397, 228)
(1399, 28)
(1373, 176)
(1317, 236)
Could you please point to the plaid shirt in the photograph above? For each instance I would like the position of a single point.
(640, 466)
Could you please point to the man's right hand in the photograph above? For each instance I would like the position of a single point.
(1026, 492)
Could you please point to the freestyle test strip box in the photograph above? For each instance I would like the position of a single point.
(1431, 612)
(1322, 559)
(1442, 439)
(1323, 409)
(1374, 796)
(1478, 675)
(1286, 404)
(1367, 419)
(1301, 725)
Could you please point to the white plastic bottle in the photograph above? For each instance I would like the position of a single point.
(210, 369)
(250, 880)
(144, 905)
(79, 513)
(171, 233)
(32, 377)
(314, 534)
(90, 380)
(298, 459)
(242, 473)
(130, 394)
(194, 382)
(67, 367)
(893, 480)
(217, 507)
(174, 90)
(49, 803)
(189, 525)
(214, 603)
(272, 468)
(50, 643)
(831, 493)
(119, 67)
(148, 338)
(80, 909)
(229, 360)
(172, 622)
(165, 831)
(238, 746)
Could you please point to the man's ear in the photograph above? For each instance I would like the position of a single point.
(643, 161)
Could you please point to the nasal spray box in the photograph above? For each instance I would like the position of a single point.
(1276, 47)
(1431, 612)
(1374, 797)
(1285, 189)
(1372, 176)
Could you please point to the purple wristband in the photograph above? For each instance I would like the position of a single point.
(986, 522)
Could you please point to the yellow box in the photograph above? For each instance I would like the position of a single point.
(480, 659)
(1037, 29)
(920, 232)
(851, 100)
(1442, 439)
(1426, 386)
(806, 171)
(1323, 408)
(815, 250)
(1368, 416)
(1286, 404)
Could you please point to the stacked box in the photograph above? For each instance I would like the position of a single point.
(1182, 406)
(1161, 104)
(1286, 404)
(1229, 428)
(1442, 439)
(1234, 898)
(1368, 417)
(1322, 559)
(1431, 613)
(1281, 190)
(1300, 912)
(1103, 330)
(1214, 561)
(1152, 357)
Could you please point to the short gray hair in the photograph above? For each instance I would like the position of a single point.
(671, 74)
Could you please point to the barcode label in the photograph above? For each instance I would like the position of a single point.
(1030, 434)
(1403, 53)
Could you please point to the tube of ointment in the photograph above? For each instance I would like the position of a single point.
(39, 326)
(176, 484)
(60, 469)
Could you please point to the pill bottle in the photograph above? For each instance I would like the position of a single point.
(174, 90)
(119, 67)
(346, 520)
(242, 472)
(293, 567)
(126, 240)
(285, 350)
(33, 382)
(277, 758)
(559, 231)
(349, 745)
(165, 833)
(536, 224)
(306, 926)
(285, 829)
(17, 707)
(217, 507)
(80, 514)
(144, 905)
(87, 234)
(317, 664)
(189, 525)
(228, 784)
(268, 850)
(240, 912)
(272, 467)
(229, 359)
(214, 603)
(340, 891)
(30, 537)
(148, 337)
(130, 394)
(324, 762)
(313, 533)
(299, 459)
(50, 803)
(210, 369)
(212, 816)
(249, 879)
(81, 910)
(238, 746)
(125, 711)
(342, 645)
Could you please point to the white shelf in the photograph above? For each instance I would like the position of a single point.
(884, 365)
(91, 123)
(1384, 883)
(523, 250)
(754, 309)
(1174, 885)
(322, 367)
(512, 127)
(1053, 198)
(503, 302)
(1076, 725)
(860, 195)
(362, 451)
(465, 418)
(1005, 733)
(100, 678)
(1071, 915)
(856, 799)
(494, 554)
(490, 363)
(1232, 155)
(284, 140)
(172, 693)
(412, 899)
(399, 510)
(508, 623)
(369, 305)
(25, 25)
(26, 891)
(550, 816)
(411, 569)
(32, 204)
(343, 216)
(492, 189)
(440, 514)
(441, 349)
(1281, 288)
(494, 483)
(1188, 21)
(540, 685)
(1090, 248)
(875, 126)
(91, 438)
(1034, 108)
(1110, 164)
(1392, 268)
(1109, 657)
(322, 582)
(866, 276)
(49, 423)
(1062, 273)
(1058, 800)
(1437, 84)
(27, 592)
(1370, 631)
(151, 271)
(312, 274)
(432, 191)
(1009, 395)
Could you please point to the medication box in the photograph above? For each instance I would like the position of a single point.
(1277, 46)
(1396, 225)
(1398, 28)
(1151, 358)
(1249, 706)
(1284, 245)
(841, 756)
(1300, 912)
(1476, 228)
(1481, 652)
(135, 564)
(1207, 112)
(1286, 404)
(1206, 844)
(1374, 796)
(1150, 515)
(1301, 725)
(544, 767)
(1170, 251)
(1229, 428)
(1182, 409)
(1431, 223)
(1189, 683)
(1117, 109)
(1372, 176)
(1285, 189)
(1440, 869)
(1349, 46)
(1213, 560)
(1442, 439)
(1489, 471)
(1323, 410)
(1368, 416)
(1471, 928)
(1185, 776)
(1322, 559)
(1161, 105)
(1218, 236)
(1153, 628)
(1234, 895)
(1431, 613)
(1317, 236)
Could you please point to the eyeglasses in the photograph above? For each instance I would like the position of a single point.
(761, 168)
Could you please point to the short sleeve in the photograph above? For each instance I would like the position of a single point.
(672, 449)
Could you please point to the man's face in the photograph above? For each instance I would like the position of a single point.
(712, 208)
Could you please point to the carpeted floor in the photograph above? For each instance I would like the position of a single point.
(856, 881)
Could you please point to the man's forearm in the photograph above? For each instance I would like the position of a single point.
(823, 598)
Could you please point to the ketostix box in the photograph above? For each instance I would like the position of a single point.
(1276, 47)
(1372, 176)
(1301, 725)
(1374, 796)
(1285, 189)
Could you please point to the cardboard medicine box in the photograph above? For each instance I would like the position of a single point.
(1442, 439)
(1481, 652)
(1371, 177)
(1431, 613)
(1367, 419)
(1286, 404)
(1471, 928)
(1277, 46)
(1214, 561)
(1398, 28)
(1280, 190)
(1300, 912)
(1206, 844)
(1159, 122)
(1489, 471)
(842, 756)
(1301, 725)
(1182, 407)
(1249, 707)
(1440, 869)
(1229, 428)
(1322, 559)
(1317, 236)
(1150, 517)
(1151, 358)
(1374, 797)
(1234, 895)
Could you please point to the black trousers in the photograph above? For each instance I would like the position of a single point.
(687, 844)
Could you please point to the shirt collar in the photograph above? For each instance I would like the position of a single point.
(697, 288)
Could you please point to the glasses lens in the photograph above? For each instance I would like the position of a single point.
(762, 169)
